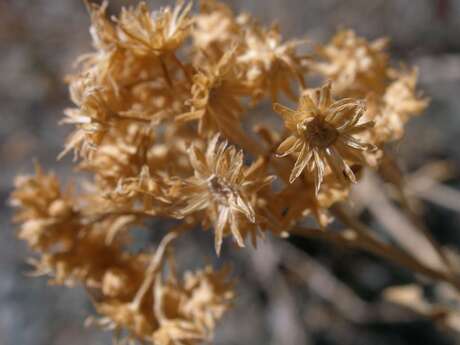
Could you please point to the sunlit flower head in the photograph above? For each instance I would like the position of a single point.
(355, 65)
(322, 135)
(224, 188)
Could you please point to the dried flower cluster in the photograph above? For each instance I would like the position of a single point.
(160, 116)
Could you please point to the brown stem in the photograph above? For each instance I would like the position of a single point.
(392, 254)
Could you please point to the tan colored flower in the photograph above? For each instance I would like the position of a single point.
(401, 103)
(322, 135)
(43, 210)
(135, 109)
(155, 33)
(270, 65)
(102, 29)
(216, 93)
(224, 188)
(215, 27)
(91, 118)
(395, 107)
(65, 239)
(188, 312)
(355, 65)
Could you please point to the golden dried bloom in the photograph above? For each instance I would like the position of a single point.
(156, 33)
(215, 28)
(401, 95)
(224, 188)
(124, 154)
(144, 194)
(187, 312)
(91, 117)
(43, 211)
(355, 65)
(57, 229)
(400, 103)
(215, 97)
(102, 30)
(270, 65)
(135, 109)
(171, 311)
(395, 107)
(121, 316)
(322, 135)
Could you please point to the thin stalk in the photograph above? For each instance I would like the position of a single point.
(370, 245)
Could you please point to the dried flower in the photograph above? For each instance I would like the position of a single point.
(398, 104)
(322, 135)
(215, 96)
(353, 64)
(224, 188)
(137, 97)
(156, 33)
(188, 312)
(225, 26)
(270, 65)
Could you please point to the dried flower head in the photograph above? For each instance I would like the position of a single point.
(215, 96)
(215, 28)
(44, 210)
(137, 97)
(354, 64)
(224, 188)
(158, 33)
(270, 64)
(398, 104)
(188, 312)
(322, 135)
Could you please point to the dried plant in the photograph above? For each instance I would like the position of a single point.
(162, 116)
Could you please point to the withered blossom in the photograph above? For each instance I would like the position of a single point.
(188, 312)
(354, 64)
(399, 103)
(43, 210)
(55, 227)
(137, 96)
(90, 118)
(215, 28)
(159, 33)
(322, 135)
(270, 65)
(102, 30)
(224, 189)
(215, 96)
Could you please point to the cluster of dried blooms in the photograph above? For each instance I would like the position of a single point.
(162, 123)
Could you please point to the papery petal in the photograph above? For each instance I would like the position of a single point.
(219, 228)
(302, 161)
(288, 146)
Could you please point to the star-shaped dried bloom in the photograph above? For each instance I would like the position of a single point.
(215, 100)
(322, 135)
(215, 27)
(398, 104)
(43, 210)
(188, 312)
(224, 189)
(94, 111)
(354, 64)
(160, 32)
(271, 64)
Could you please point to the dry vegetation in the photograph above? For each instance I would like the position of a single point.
(162, 123)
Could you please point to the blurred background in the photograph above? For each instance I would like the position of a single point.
(332, 297)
